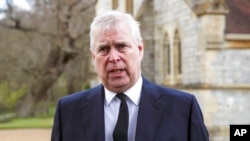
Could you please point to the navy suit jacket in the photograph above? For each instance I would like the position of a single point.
(164, 115)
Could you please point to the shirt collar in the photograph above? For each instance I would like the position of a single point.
(134, 93)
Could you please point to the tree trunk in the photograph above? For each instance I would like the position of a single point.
(64, 50)
(34, 103)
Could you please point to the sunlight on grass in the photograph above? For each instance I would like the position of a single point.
(28, 123)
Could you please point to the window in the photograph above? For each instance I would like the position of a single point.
(114, 4)
(129, 6)
(166, 56)
(177, 54)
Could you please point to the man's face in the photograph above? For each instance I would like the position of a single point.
(117, 58)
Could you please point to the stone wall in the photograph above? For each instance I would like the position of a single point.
(171, 16)
(222, 107)
(228, 67)
(220, 76)
(147, 30)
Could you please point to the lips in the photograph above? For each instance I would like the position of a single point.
(116, 71)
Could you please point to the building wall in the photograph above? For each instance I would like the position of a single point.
(147, 24)
(103, 5)
(171, 16)
(215, 69)
(217, 74)
(228, 67)
(222, 107)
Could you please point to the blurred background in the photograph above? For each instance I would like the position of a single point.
(199, 46)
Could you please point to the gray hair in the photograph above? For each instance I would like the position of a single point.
(107, 20)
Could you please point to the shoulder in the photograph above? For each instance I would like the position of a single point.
(166, 93)
(81, 96)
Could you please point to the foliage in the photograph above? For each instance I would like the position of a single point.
(59, 89)
(86, 86)
(9, 97)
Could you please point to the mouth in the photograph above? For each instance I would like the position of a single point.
(117, 71)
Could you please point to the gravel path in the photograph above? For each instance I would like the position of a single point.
(25, 135)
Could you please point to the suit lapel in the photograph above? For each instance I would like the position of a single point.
(92, 112)
(150, 113)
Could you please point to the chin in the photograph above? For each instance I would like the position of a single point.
(119, 85)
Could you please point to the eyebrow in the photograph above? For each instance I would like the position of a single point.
(121, 42)
(102, 45)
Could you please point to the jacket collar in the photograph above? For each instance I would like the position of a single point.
(92, 109)
(150, 113)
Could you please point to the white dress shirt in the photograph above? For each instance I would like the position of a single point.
(112, 106)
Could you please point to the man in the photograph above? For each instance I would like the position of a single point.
(126, 106)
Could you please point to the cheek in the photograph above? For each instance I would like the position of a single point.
(100, 64)
(134, 63)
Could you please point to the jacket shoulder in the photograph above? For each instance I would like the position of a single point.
(166, 92)
(81, 95)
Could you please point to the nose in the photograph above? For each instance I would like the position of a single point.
(113, 56)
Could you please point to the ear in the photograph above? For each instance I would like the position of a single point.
(92, 54)
(141, 49)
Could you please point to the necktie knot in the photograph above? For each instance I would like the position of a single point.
(121, 96)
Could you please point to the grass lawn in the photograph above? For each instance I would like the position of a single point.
(28, 123)
(32, 122)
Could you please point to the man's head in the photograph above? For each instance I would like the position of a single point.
(117, 49)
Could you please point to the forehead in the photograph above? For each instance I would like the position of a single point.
(120, 31)
(119, 26)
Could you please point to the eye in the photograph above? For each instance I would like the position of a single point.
(121, 46)
(103, 50)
